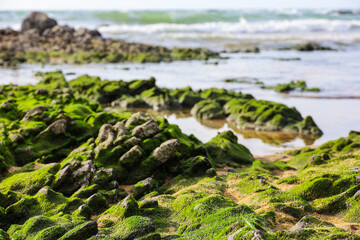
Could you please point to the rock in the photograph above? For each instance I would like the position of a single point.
(82, 232)
(39, 21)
(234, 235)
(148, 204)
(58, 127)
(64, 174)
(16, 137)
(132, 142)
(24, 154)
(131, 157)
(83, 32)
(254, 234)
(196, 166)
(42, 91)
(36, 111)
(208, 109)
(357, 194)
(84, 211)
(87, 169)
(143, 187)
(310, 222)
(103, 177)
(211, 172)
(6, 106)
(137, 118)
(166, 150)
(97, 202)
(120, 128)
(106, 136)
(146, 130)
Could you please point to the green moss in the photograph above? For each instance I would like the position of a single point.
(132, 227)
(123, 209)
(208, 109)
(31, 228)
(83, 231)
(50, 233)
(225, 150)
(30, 182)
(51, 80)
(314, 188)
(293, 86)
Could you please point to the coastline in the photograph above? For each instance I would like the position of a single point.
(178, 154)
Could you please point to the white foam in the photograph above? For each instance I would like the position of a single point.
(243, 26)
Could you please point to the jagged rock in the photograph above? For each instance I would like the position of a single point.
(5, 106)
(131, 157)
(103, 177)
(166, 150)
(83, 32)
(97, 202)
(147, 129)
(42, 91)
(39, 21)
(143, 187)
(58, 127)
(16, 137)
(86, 170)
(36, 111)
(82, 232)
(254, 235)
(137, 118)
(84, 211)
(106, 136)
(132, 142)
(64, 174)
(120, 128)
(147, 203)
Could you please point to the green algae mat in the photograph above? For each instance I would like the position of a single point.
(70, 170)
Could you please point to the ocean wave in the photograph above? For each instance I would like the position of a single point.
(242, 26)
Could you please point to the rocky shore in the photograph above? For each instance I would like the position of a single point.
(70, 170)
(241, 110)
(42, 40)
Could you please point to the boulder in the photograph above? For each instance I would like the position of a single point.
(83, 231)
(166, 150)
(58, 127)
(39, 21)
(147, 129)
(131, 157)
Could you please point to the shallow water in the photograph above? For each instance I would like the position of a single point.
(336, 73)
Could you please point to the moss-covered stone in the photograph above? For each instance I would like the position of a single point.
(82, 232)
(224, 149)
(299, 85)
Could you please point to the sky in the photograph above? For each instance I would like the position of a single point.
(173, 4)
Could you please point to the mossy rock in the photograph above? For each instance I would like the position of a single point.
(208, 109)
(132, 228)
(314, 188)
(224, 149)
(30, 182)
(82, 232)
(38, 227)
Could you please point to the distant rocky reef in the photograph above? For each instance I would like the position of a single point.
(42, 40)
